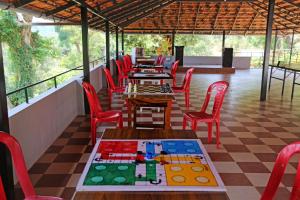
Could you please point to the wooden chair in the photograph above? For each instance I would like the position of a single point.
(97, 113)
(220, 88)
(20, 168)
(280, 165)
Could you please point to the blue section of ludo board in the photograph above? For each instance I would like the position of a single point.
(150, 149)
(181, 147)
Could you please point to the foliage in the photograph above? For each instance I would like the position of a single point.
(25, 56)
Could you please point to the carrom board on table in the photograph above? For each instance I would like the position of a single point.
(150, 165)
(147, 89)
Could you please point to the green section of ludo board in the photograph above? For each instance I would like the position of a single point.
(110, 174)
(150, 172)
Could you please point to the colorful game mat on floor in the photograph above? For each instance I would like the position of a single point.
(149, 165)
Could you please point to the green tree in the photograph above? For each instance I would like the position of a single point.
(25, 50)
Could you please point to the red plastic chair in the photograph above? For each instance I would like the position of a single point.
(127, 64)
(158, 60)
(121, 72)
(112, 88)
(173, 71)
(97, 114)
(185, 88)
(281, 162)
(20, 168)
(220, 88)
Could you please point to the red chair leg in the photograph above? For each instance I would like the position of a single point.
(209, 125)
(121, 122)
(218, 134)
(93, 132)
(194, 125)
(184, 123)
(187, 99)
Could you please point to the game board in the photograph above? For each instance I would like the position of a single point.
(148, 89)
(149, 165)
(150, 75)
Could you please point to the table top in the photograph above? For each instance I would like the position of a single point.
(149, 89)
(129, 133)
(148, 67)
(150, 75)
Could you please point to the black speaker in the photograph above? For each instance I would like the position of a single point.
(179, 54)
(227, 57)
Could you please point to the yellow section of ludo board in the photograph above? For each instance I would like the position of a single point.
(175, 158)
(189, 175)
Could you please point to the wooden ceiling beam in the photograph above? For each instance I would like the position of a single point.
(138, 7)
(133, 11)
(292, 2)
(117, 6)
(178, 15)
(60, 8)
(251, 23)
(216, 18)
(265, 16)
(276, 14)
(22, 3)
(214, 1)
(149, 12)
(92, 10)
(236, 16)
(197, 14)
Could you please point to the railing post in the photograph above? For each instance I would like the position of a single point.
(107, 44)
(26, 95)
(173, 43)
(117, 43)
(291, 50)
(85, 52)
(6, 166)
(275, 45)
(55, 82)
(123, 52)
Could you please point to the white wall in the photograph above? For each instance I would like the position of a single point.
(238, 62)
(36, 125)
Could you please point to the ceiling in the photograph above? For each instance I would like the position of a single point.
(167, 16)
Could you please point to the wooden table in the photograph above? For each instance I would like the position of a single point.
(129, 133)
(149, 76)
(158, 68)
(135, 101)
(145, 61)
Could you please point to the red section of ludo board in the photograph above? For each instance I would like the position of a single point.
(108, 148)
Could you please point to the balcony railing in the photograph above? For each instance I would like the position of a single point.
(53, 78)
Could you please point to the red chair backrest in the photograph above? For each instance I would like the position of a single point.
(162, 60)
(120, 66)
(109, 79)
(127, 62)
(158, 60)
(220, 87)
(187, 79)
(174, 68)
(129, 59)
(280, 165)
(19, 164)
(93, 99)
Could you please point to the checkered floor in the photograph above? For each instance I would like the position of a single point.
(252, 133)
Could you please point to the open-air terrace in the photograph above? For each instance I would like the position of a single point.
(182, 122)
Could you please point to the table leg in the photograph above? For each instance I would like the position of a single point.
(168, 115)
(129, 106)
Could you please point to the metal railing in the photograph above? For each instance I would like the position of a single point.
(53, 78)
